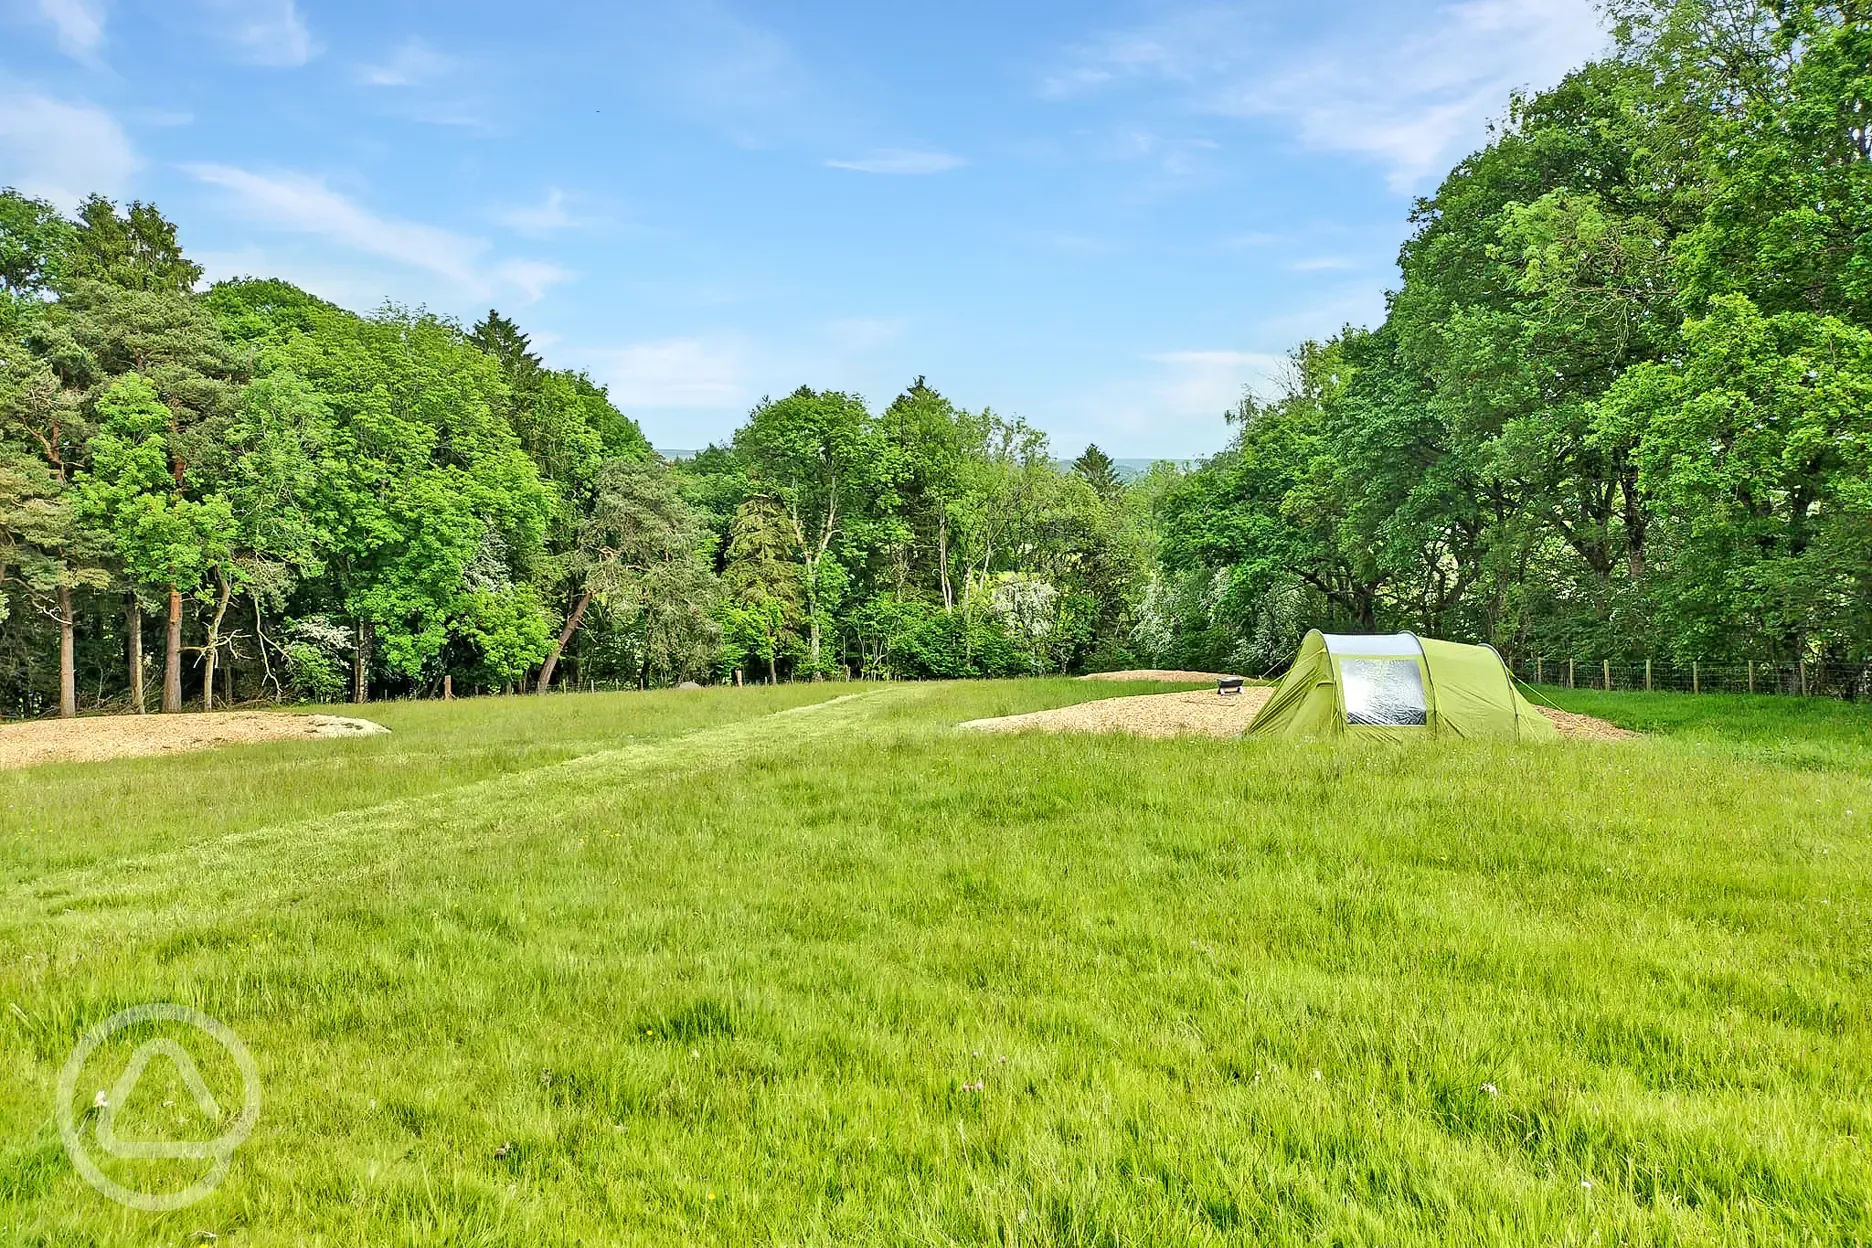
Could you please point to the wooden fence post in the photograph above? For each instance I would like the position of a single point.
(1647, 675)
(1803, 676)
(1696, 681)
(1569, 673)
(1751, 675)
(1537, 669)
(1606, 671)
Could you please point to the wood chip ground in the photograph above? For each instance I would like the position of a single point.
(94, 738)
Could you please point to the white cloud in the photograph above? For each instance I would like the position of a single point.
(1206, 383)
(674, 373)
(413, 63)
(264, 32)
(79, 23)
(545, 217)
(1323, 264)
(900, 160)
(1409, 97)
(298, 204)
(532, 278)
(295, 204)
(60, 151)
(1172, 403)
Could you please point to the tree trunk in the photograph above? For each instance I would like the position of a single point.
(210, 651)
(942, 557)
(565, 638)
(1635, 534)
(68, 666)
(812, 613)
(360, 664)
(266, 665)
(172, 656)
(133, 626)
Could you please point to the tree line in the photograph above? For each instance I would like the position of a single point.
(1621, 401)
(244, 492)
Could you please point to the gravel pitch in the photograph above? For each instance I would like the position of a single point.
(94, 738)
(1207, 714)
(1201, 712)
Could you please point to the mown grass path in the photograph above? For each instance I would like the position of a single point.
(845, 975)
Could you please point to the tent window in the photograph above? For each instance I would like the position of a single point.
(1383, 692)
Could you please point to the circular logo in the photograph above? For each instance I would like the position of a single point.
(217, 1150)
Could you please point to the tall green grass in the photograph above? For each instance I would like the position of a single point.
(845, 975)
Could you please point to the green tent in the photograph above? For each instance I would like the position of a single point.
(1399, 685)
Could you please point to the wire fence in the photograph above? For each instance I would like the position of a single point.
(1850, 681)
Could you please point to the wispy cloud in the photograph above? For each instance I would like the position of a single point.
(546, 217)
(1177, 158)
(1405, 97)
(720, 68)
(412, 64)
(264, 32)
(1205, 383)
(532, 278)
(79, 24)
(1173, 402)
(674, 373)
(62, 151)
(709, 378)
(295, 204)
(900, 160)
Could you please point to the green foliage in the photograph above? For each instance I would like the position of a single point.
(1096, 469)
(134, 250)
(35, 240)
(507, 630)
(763, 605)
(1756, 447)
(160, 536)
(1616, 406)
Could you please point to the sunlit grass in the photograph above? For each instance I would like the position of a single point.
(672, 972)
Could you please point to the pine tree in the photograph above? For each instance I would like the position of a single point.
(1096, 469)
(502, 339)
(137, 251)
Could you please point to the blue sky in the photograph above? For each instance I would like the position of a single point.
(1104, 217)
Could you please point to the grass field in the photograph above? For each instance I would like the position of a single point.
(807, 966)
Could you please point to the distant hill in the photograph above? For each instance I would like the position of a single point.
(1132, 469)
(1129, 469)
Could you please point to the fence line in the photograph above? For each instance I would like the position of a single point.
(1850, 681)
